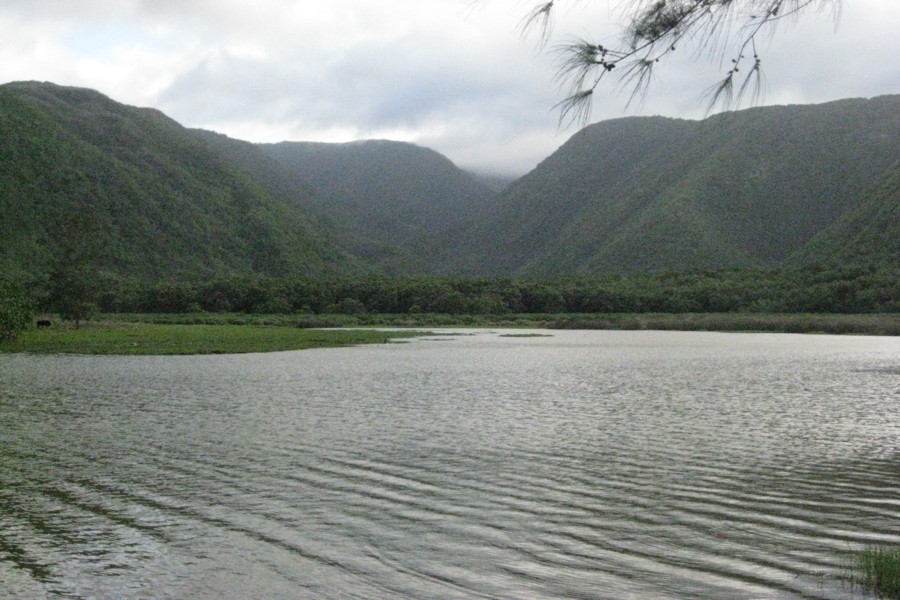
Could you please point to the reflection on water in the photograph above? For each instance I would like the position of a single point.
(579, 465)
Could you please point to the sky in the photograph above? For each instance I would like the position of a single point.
(456, 76)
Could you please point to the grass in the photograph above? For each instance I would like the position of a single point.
(877, 568)
(859, 324)
(218, 333)
(150, 338)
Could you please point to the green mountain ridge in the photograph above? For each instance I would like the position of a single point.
(394, 201)
(744, 189)
(867, 234)
(765, 187)
(163, 202)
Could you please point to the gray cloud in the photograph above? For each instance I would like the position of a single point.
(439, 73)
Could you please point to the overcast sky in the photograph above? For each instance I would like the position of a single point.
(439, 73)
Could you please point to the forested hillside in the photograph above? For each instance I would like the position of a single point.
(147, 203)
(396, 201)
(150, 198)
(867, 234)
(644, 194)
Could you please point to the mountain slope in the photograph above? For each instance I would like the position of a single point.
(653, 194)
(762, 187)
(867, 234)
(164, 204)
(396, 201)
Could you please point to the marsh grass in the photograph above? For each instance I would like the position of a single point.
(877, 568)
(848, 324)
(862, 324)
(132, 338)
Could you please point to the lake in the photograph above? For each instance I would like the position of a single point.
(482, 464)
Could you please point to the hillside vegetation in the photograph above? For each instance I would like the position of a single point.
(868, 233)
(156, 198)
(395, 201)
(773, 209)
(644, 194)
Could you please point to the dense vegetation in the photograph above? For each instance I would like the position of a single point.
(161, 201)
(746, 189)
(15, 310)
(395, 202)
(778, 210)
(869, 231)
(819, 290)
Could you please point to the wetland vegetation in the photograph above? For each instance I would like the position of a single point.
(143, 338)
(877, 568)
(227, 333)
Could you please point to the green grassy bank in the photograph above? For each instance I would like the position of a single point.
(887, 324)
(219, 333)
(151, 338)
(851, 324)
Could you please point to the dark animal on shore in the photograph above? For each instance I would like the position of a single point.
(42, 323)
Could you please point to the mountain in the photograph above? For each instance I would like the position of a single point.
(495, 181)
(163, 201)
(650, 194)
(867, 234)
(773, 186)
(396, 202)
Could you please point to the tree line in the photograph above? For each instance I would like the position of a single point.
(823, 289)
(809, 290)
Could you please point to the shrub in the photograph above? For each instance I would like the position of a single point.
(15, 311)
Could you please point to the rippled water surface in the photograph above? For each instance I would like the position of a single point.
(487, 465)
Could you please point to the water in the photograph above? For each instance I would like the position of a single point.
(573, 465)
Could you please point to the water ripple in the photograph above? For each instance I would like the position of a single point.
(584, 465)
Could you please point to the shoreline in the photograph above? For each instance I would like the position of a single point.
(231, 333)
